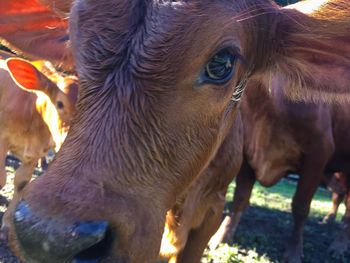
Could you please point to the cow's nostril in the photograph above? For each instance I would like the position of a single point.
(95, 252)
(41, 239)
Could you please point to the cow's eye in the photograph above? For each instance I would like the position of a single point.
(219, 68)
(59, 105)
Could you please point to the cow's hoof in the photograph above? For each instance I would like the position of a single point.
(329, 219)
(225, 234)
(214, 243)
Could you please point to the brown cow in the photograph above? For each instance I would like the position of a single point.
(337, 184)
(155, 104)
(282, 136)
(34, 113)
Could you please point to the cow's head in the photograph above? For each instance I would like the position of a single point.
(57, 106)
(65, 98)
(159, 86)
(65, 101)
(40, 76)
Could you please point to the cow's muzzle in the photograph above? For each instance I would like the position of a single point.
(49, 241)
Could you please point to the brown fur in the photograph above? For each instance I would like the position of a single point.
(197, 213)
(143, 133)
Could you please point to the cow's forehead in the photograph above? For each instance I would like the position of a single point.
(150, 40)
(176, 33)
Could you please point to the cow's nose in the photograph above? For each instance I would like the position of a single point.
(49, 241)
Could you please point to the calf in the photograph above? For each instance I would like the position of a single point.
(35, 111)
(160, 85)
(281, 137)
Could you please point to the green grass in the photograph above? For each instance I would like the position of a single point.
(280, 197)
(276, 203)
(233, 254)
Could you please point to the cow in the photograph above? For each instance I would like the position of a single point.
(337, 184)
(160, 84)
(281, 136)
(35, 111)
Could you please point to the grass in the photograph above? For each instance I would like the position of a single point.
(280, 197)
(267, 224)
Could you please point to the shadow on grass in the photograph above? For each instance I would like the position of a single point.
(267, 231)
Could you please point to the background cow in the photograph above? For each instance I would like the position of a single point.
(160, 82)
(338, 184)
(35, 111)
(281, 136)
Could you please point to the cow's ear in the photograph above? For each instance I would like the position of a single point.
(26, 75)
(38, 28)
(308, 56)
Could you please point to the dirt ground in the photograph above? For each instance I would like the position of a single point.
(266, 231)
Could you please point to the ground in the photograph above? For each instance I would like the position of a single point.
(267, 224)
(5, 196)
(261, 237)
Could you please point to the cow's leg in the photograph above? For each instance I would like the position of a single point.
(342, 241)
(198, 238)
(310, 178)
(23, 175)
(22, 178)
(42, 163)
(244, 185)
(3, 154)
(336, 201)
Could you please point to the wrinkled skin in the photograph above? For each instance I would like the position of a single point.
(146, 123)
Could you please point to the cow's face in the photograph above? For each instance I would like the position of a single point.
(159, 85)
(61, 91)
(163, 79)
(66, 98)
